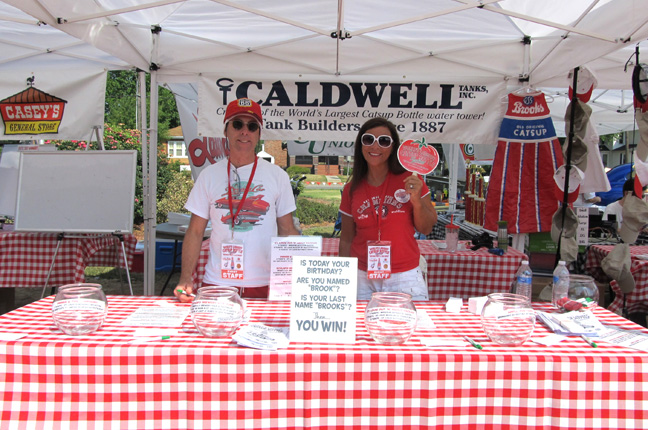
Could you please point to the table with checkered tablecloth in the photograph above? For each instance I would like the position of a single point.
(636, 301)
(464, 273)
(25, 258)
(101, 380)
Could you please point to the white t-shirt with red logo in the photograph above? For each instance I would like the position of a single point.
(397, 224)
(269, 197)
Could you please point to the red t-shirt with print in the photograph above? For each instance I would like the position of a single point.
(396, 225)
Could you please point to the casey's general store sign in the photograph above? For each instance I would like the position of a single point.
(32, 111)
(62, 104)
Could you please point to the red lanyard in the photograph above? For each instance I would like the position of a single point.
(382, 201)
(229, 191)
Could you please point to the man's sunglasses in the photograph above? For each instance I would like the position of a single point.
(252, 126)
(384, 141)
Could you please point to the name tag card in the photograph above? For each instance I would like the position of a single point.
(323, 302)
(232, 260)
(281, 262)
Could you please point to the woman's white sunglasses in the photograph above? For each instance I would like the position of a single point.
(384, 141)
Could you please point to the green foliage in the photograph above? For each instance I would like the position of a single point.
(122, 102)
(313, 212)
(300, 186)
(609, 139)
(117, 137)
(297, 170)
(176, 194)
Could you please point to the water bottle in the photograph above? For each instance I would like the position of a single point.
(502, 235)
(524, 280)
(560, 287)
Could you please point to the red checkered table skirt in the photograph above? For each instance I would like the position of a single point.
(50, 380)
(636, 301)
(462, 274)
(25, 258)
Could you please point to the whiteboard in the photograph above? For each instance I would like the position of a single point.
(70, 191)
(9, 160)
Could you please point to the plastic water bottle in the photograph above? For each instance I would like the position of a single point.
(502, 235)
(560, 287)
(524, 280)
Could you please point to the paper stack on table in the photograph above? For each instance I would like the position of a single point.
(575, 323)
(261, 336)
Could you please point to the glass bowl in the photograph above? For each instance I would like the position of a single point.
(217, 311)
(79, 309)
(390, 317)
(508, 319)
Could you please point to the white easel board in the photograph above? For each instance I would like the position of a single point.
(82, 192)
(9, 161)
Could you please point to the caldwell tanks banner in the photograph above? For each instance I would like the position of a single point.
(52, 104)
(442, 112)
(320, 147)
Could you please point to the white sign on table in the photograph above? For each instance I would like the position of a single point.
(281, 261)
(323, 303)
(582, 235)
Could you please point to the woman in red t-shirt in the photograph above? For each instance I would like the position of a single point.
(381, 208)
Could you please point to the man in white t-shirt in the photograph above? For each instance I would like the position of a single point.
(248, 201)
(586, 200)
(616, 208)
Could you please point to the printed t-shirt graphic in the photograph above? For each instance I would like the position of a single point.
(521, 186)
(253, 210)
(396, 225)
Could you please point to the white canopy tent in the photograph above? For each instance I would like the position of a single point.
(517, 41)
(453, 38)
(26, 43)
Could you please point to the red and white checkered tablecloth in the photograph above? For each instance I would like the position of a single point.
(25, 258)
(462, 274)
(50, 380)
(636, 301)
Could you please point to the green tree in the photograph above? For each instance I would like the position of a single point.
(122, 103)
(608, 140)
(175, 196)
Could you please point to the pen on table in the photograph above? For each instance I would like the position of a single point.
(472, 342)
(589, 341)
(149, 339)
(181, 291)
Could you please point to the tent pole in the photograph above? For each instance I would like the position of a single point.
(148, 249)
(150, 216)
(452, 169)
(150, 220)
(570, 140)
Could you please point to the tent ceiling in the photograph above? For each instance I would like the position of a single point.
(406, 39)
(27, 44)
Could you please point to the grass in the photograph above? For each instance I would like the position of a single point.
(100, 272)
(333, 196)
(322, 178)
(325, 230)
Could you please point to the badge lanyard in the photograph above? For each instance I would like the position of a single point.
(383, 191)
(379, 252)
(229, 192)
(232, 251)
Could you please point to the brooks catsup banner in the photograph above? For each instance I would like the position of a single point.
(51, 104)
(442, 112)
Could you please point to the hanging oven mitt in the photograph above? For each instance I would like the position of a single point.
(617, 266)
